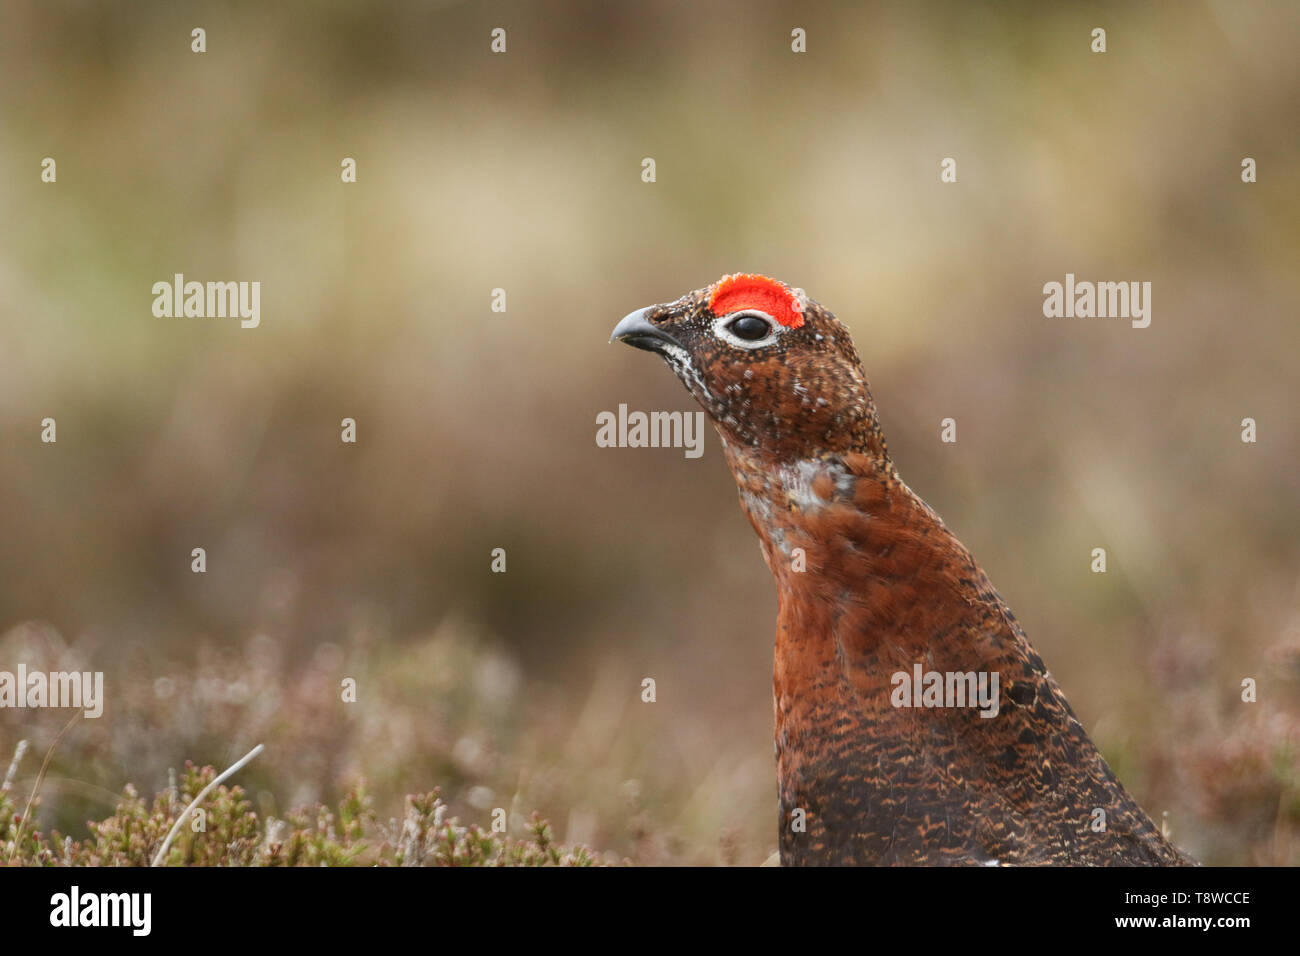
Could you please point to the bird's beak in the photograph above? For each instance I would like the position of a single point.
(637, 331)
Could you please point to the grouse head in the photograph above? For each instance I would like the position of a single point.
(776, 372)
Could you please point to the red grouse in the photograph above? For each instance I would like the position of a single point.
(914, 722)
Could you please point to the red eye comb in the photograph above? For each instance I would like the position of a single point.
(744, 291)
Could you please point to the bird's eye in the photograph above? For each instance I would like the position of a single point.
(751, 328)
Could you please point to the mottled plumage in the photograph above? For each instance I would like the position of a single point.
(885, 586)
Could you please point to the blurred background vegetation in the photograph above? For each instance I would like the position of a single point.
(476, 430)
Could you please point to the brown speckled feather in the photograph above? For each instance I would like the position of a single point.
(885, 586)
